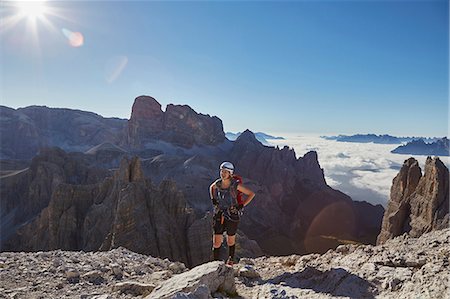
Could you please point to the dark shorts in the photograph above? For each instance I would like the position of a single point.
(226, 226)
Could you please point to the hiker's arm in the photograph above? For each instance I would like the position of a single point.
(250, 194)
(212, 191)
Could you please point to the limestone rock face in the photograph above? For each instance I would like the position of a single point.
(179, 125)
(124, 210)
(24, 195)
(146, 108)
(146, 121)
(431, 214)
(418, 204)
(184, 124)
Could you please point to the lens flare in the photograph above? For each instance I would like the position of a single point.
(115, 67)
(333, 224)
(75, 39)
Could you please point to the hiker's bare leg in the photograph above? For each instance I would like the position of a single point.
(217, 241)
(231, 240)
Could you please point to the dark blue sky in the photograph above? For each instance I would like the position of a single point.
(299, 66)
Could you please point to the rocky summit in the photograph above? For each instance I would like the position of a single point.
(418, 204)
(179, 125)
(403, 267)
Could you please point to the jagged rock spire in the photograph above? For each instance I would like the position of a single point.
(418, 204)
(130, 170)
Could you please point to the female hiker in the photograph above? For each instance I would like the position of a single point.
(226, 195)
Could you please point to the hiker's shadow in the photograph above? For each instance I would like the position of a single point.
(336, 282)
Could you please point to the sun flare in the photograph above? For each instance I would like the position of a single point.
(32, 9)
(37, 18)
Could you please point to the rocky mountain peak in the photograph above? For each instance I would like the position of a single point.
(418, 204)
(147, 121)
(406, 181)
(146, 108)
(311, 158)
(434, 167)
(179, 125)
(248, 137)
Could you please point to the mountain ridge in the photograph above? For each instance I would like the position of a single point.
(439, 147)
(260, 136)
(381, 139)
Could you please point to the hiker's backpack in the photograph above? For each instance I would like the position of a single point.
(239, 197)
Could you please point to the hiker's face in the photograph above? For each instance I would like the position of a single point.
(225, 174)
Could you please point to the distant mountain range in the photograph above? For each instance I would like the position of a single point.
(261, 137)
(419, 147)
(380, 139)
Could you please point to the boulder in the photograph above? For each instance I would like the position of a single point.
(216, 276)
(133, 288)
(248, 271)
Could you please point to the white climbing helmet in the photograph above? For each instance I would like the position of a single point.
(228, 166)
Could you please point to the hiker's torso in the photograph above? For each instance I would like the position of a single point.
(227, 197)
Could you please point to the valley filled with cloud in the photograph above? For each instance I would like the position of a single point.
(364, 171)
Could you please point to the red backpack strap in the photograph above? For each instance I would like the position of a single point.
(238, 180)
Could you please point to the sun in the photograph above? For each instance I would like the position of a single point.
(13, 12)
(34, 16)
(32, 9)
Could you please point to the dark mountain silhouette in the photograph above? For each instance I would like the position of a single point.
(419, 147)
(382, 139)
(261, 137)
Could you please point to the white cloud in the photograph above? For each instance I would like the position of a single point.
(331, 182)
(379, 181)
(364, 171)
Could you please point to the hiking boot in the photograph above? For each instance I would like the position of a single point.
(230, 261)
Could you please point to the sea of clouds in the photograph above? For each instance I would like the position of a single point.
(364, 171)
